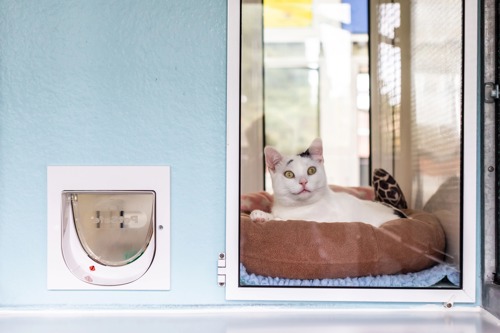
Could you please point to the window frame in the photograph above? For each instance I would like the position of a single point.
(470, 196)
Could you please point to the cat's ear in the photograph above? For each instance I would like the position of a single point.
(273, 157)
(316, 150)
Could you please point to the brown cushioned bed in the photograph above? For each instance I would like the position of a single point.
(312, 250)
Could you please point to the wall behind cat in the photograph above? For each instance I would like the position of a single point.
(112, 83)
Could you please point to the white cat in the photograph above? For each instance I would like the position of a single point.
(301, 192)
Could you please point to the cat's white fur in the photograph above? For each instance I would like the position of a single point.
(308, 197)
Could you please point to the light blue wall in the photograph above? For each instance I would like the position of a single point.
(112, 83)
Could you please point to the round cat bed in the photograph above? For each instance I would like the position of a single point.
(312, 250)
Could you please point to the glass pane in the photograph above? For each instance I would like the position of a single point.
(398, 123)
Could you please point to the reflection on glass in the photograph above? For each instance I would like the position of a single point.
(305, 74)
(113, 228)
(291, 107)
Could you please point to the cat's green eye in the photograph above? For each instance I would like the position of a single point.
(311, 171)
(289, 174)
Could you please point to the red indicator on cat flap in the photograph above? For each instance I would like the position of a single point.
(92, 268)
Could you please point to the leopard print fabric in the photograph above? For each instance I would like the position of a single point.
(387, 189)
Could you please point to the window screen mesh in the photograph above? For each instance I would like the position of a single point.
(418, 113)
(436, 48)
(434, 39)
(389, 82)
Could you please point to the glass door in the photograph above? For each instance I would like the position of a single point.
(306, 69)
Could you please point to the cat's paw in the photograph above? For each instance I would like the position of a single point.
(260, 216)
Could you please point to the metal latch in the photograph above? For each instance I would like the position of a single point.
(221, 270)
(492, 92)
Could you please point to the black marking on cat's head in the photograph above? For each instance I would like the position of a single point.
(289, 161)
(305, 154)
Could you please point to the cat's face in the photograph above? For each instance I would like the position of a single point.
(297, 178)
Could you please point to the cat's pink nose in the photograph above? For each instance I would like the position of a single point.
(302, 181)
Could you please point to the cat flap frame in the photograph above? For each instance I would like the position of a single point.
(465, 294)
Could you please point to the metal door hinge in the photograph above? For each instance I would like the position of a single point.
(221, 269)
(491, 92)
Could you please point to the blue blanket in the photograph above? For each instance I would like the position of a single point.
(424, 278)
